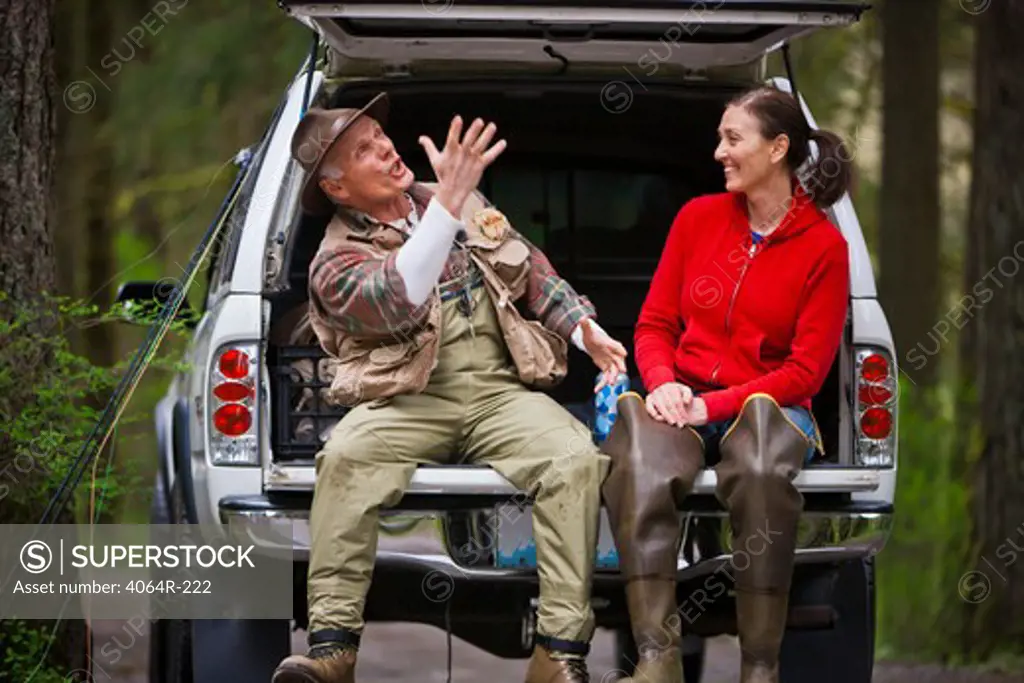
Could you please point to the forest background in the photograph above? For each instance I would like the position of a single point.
(929, 96)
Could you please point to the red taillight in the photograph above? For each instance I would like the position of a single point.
(876, 423)
(874, 368)
(233, 405)
(876, 406)
(232, 419)
(234, 364)
(232, 391)
(874, 394)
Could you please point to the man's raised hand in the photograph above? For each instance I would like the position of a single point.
(460, 165)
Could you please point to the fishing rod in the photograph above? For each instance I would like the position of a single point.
(107, 423)
(143, 357)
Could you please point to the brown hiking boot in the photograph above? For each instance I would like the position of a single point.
(322, 664)
(547, 666)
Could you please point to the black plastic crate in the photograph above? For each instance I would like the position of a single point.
(301, 418)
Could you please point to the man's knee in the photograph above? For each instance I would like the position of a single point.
(576, 464)
(352, 439)
(586, 469)
(359, 467)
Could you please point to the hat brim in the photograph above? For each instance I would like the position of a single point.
(313, 200)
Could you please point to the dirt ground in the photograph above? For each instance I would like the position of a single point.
(408, 653)
(413, 653)
(417, 653)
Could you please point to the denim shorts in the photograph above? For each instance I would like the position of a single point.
(713, 432)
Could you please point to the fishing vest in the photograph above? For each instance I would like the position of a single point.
(374, 369)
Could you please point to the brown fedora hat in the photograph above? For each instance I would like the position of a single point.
(316, 133)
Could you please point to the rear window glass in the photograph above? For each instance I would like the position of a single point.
(590, 215)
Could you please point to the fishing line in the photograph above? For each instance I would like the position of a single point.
(142, 359)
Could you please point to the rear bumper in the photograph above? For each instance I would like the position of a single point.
(832, 530)
(417, 579)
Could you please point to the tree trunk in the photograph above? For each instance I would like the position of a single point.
(28, 112)
(909, 221)
(100, 266)
(995, 586)
(72, 137)
(27, 132)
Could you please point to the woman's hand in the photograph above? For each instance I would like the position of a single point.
(672, 403)
(698, 413)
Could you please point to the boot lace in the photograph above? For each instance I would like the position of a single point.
(576, 667)
(328, 650)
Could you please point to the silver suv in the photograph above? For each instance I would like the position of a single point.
(610, 109)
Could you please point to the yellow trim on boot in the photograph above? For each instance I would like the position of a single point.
(644, 401)
(630, 393)
(784, 416)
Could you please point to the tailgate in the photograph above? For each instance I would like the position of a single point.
(437, 482)
(376, 36)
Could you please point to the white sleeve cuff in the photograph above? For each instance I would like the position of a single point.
(577, 333)
(437, 213)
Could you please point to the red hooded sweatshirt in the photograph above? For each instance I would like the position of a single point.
(732, 317)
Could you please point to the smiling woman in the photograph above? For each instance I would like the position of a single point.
(736, 371)
(765, 127)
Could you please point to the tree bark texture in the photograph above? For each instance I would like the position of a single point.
(100, 261)
(71, 140)
(28, 110)
(909, 223)
(27, 133)
(995, 588)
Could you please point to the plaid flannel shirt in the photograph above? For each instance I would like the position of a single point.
(366, 296)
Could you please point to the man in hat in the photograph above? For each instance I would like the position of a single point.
(415, 293)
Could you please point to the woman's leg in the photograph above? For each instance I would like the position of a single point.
(653, 468)
(761, 455)
(802, 419)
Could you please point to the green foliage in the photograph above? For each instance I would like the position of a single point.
(203, 85)
(24, 654)
(50, 400)
(920, 569)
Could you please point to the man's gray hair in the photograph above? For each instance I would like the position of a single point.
(332, 172)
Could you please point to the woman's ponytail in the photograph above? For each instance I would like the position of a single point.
(831, 173)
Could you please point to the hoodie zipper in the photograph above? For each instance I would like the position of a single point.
(732, 301)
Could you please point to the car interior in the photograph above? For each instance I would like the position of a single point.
(596, 191)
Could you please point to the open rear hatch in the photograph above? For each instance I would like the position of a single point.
(376, 37)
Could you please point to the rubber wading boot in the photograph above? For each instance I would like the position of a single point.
(326, 662)
(653, 469)
(762, 453)
(549, 666)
